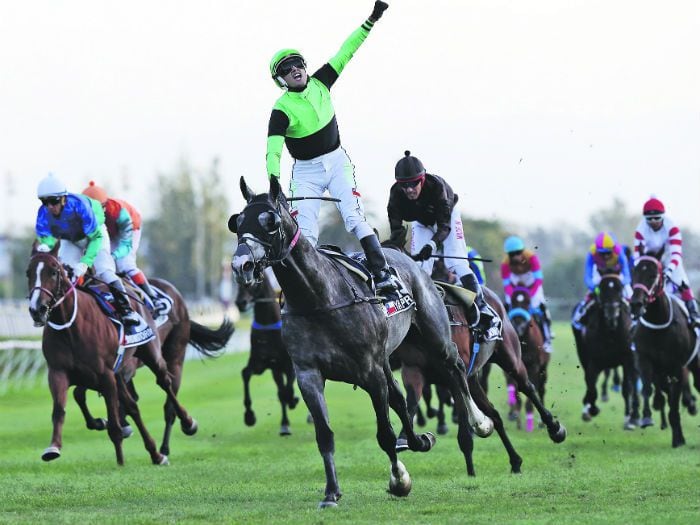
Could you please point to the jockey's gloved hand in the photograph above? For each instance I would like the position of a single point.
(378, 11)
(425, 252)
(43, 248)
(79, 270)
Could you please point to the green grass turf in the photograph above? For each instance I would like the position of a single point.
(230, 473)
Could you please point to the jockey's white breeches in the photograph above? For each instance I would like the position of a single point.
(333, 172)
(70, 253)
(454, 244)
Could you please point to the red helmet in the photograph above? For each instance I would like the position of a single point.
(654, 207)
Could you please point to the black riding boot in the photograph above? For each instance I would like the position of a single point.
(155, 301)
(547, 322)
(470, 283)
(384, 280)
(121, 302)
(692, 307)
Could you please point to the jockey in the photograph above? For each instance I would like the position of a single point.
(303, 118)
(124, 227)
(429, 202)
(476, 264)
(658, 236)
(605, 256)
(521, 267)
(79, 223)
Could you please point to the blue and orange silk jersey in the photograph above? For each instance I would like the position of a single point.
(523, 270)
(617, 264)
(81, 217)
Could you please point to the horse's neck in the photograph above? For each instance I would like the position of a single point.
(64, 311)
(267, 311)
(306, 276)
(659, 310)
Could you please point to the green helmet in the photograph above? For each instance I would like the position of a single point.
(277, 59)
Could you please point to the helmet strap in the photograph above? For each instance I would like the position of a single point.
(281, 82)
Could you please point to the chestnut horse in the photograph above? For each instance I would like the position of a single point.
(82, 348)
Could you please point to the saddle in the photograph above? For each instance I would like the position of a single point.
(129, 335)
(356, 263)
(460, 296)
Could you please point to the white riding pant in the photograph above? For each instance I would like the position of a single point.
(626, 290)
(70, 253)
(454, 244)
(127, 264)
(678, 277)
(333, 172)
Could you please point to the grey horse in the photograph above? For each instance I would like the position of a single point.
(335, 328)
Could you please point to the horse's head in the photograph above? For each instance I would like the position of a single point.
(519, 313)
(611, 299)
(47, 282)
(266, 232)
(647, 284)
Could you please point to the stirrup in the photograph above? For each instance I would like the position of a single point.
(131, 318)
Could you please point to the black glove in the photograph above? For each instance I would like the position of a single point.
(424, 253)
(378, 11)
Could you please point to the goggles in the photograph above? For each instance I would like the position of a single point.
(288, 64)
(50, 201)
(655, 218)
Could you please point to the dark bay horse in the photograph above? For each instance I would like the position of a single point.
(267, 351)
(334, 328)
(664, 341)
(605, 342)
(532, 347)
(81, 345)
(416, 371)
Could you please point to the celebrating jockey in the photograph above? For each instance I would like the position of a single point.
(605, 256)
(79, 223)
(521, 267)
(658, 236)
(303, 118)
(123, 223)
(429, 202)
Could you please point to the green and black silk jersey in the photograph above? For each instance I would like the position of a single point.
(305, 120)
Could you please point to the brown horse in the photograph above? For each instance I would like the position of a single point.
(82, 347)
(416, 371)
(533, 353)
(664, 341)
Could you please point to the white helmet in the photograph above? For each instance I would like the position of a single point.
(51, 186)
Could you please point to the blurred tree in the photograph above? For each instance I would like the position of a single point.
(616, 220)
(20, 248)
(214, 216)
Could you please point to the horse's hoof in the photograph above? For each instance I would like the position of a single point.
(309, 419)
(98, 424)
(512, 416)
(647, 422)
(616, 388)
(401, 444)
(51, 453)
(192, 429)
(629, 424)
(663, 426)
(604, 398)
(428, 440)
(420, 420)
(293, 403)
(594, 410)
(485, 428)
(164, 461)
(400, 483)
(678, 443)
(692, 407)
(285, 431)
(431, 412)
(249, 418)
(442, 429)
(327, 504)
(586, 416)
(559, 435)
(127, 431)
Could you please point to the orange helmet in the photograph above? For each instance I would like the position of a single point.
(95, 192)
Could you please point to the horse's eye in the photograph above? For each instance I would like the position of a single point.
(269, 221)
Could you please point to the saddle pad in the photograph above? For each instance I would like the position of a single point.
(398, 302)
(354, 263)
(457, 293)
(103, 300)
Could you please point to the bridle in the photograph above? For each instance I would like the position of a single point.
(55, 299)
(274, 250)
(654, 291)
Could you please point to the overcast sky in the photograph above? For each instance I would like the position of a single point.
(536, 112)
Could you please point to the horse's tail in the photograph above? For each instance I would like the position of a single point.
(210, 342)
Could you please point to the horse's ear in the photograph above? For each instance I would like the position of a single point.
(248, 194)
(233, 223)
(275, 188)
